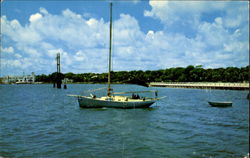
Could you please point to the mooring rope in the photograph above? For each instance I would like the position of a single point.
(93, 90)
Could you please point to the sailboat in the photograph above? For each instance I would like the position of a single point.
(115, 99)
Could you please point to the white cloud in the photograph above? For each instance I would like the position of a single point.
(170, 12)
(43, 11)
(52, 53)
(17, 63)
(35, 17)
(18, 56)
(92, 22)
(7, 50)
(150, 34)
(80, 56)
(127, 31)
(218, 20)
(189, 13)
(19, 34)
(83, 41)
(51, 34)
(69, 14)
(220, 38)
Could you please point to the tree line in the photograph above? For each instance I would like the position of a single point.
(179, 74)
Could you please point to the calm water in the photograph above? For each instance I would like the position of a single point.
(40, 121)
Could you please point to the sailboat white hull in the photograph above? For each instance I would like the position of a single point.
(88, 102)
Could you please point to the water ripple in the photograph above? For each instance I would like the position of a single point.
(48, 124)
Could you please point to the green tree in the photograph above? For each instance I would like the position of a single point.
(42, 78)
(197, 74)
(187, 72)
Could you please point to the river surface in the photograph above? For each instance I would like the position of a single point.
(42, 121)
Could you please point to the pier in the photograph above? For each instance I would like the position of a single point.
(202, 85)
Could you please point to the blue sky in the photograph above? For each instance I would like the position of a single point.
(147, 35)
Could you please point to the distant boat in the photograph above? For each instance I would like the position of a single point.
(112, 100)
(220, 104)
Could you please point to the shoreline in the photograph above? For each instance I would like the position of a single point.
(194, 85)
(202, 85)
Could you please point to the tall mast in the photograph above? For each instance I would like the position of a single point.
(58, 66)
(110, 48)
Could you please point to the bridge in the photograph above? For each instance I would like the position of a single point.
(202, 85)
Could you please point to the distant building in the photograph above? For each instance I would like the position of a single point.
(19, 79)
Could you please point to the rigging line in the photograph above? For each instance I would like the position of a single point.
(93, 90)
(150, 91)
(163, 101)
